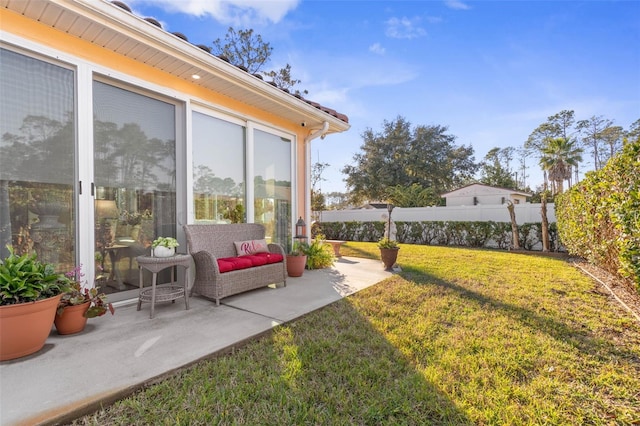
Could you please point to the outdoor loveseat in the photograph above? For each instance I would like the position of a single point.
(234, 258)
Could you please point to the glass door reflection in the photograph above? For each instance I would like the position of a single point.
(135, 178)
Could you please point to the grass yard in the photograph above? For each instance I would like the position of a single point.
(459, 337)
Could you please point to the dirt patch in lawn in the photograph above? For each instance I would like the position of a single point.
(628, 297)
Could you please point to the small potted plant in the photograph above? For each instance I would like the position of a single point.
(388, 252)
(29, 294)
(297, 259)
(164, 246)
(78, 304)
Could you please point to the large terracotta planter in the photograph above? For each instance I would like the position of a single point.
(72, 319)
(24, 328)
(389, 257)
(295, 265)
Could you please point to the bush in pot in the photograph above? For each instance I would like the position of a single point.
(388, 252)
(29, 296)
(78, 304)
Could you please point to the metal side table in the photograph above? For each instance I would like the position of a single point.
(163, 293)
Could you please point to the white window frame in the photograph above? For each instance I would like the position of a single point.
(292, 157)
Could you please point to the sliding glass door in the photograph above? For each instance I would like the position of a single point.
(37, 159)
(135, 181)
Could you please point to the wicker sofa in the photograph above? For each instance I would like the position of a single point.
(214, 252)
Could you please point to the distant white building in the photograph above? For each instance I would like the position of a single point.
(479, 194)
(369, 206)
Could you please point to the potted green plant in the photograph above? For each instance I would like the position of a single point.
(164, 246)
(319, 254)
(78, 304)
(29, 294)
(388, 252)
(297, 259)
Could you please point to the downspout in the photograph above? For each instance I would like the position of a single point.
(320, 133)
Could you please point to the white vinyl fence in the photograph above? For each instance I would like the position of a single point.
(525, 213)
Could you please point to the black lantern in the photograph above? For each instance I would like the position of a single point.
(301, 231)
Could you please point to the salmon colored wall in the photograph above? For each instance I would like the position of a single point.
(37, 32)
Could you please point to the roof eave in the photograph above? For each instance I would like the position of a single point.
(111, 16)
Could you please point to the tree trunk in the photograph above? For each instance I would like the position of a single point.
(559, 187)
(545, 223)
(514, 225)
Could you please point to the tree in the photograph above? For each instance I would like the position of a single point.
(496, 168)
(545, 217)
(634, 130)
(337, 200)
(523, 154)
(316, 174)
(557, 126)
(558, 158)
(592, 131)
(514, 225)
(612, 138)
(400, 155)
(413, 196)
(245, 49)
(283, 80)
(563, 122)
(317, 199)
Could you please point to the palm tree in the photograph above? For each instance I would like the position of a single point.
(559, 156)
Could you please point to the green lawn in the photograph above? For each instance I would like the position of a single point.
(459, 337)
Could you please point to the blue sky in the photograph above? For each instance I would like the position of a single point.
(491, 71)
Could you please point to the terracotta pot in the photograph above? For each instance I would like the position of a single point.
(295, 265)
(72, 319)
(389, 257)
(24, 328)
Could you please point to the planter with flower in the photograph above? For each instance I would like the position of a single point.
(29, 294)
(164, 246)
(388, 252)
(78, 304)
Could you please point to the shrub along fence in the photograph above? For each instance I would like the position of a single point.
(466, 234)
(599, 218)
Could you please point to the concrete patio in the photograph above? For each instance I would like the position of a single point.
(115, 355)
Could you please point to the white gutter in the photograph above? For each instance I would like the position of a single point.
(320, 133)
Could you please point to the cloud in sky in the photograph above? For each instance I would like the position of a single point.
(377, 49)
(232, 12)
(457, 5)
(404, 28)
